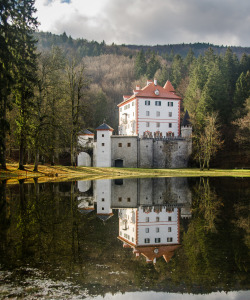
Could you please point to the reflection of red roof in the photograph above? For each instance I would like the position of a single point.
(152, 252)
(168, 92)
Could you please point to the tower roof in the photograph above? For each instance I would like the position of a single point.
(186, 120)
(86, 132)
(168, 87)
(104, 126)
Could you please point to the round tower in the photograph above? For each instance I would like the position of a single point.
(103, 145)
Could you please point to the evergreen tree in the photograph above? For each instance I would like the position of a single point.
(140, 65)
(215, 94)
(198, 78)
(177, 70)
(189, 58)
(209, 59)
(163, 75)
(244, 63)
(7, 42)
(229, 68)
(242, 92)
(25, 69)
(153, 66)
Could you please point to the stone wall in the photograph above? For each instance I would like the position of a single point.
(133, 152)
(124, 148)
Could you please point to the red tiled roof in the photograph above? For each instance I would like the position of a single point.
(148, 91)
(168, 87)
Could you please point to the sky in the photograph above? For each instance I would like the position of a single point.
(149, 22)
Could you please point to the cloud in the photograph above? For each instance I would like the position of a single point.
(149, 22)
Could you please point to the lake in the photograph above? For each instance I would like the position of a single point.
(144, 238)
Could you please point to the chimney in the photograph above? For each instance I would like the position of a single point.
(149, 81)
(155, 81)
(138, 87)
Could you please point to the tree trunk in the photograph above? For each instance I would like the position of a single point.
(3, 158)
(21, 155)
(36, 161)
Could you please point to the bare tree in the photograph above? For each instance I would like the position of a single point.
(207, 141)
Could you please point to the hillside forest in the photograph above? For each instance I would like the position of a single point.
(53, 86)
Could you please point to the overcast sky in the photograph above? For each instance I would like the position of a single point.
(149, 22)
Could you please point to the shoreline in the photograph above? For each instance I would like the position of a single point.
(48, 173)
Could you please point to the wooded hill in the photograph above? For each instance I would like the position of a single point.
(92, 48)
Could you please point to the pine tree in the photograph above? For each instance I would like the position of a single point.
(6, 72)
(177, 70)
(242, 92)
(25, 69)
(198, 77)
(153, 66)
(140, 65)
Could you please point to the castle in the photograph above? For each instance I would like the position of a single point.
(150, 133)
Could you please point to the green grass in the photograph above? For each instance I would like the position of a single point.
(62, 173)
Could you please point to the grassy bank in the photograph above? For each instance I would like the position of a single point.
(61, 173)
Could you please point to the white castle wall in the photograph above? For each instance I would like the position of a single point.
(153, 118)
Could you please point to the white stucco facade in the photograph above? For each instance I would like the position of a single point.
(152, 111)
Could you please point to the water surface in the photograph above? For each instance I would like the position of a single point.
(171, 238)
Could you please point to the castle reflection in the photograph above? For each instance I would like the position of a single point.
(149, 211)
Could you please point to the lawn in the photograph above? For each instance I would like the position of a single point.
(61, 173)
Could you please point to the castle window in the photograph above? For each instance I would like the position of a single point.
(158, 103)
(169, 218)
(147, 102)
(147, 124)
(129, 144)
(102, 135)
(120, 199)
(147, 113)
(147, 241)
(157, 219)
(158, 124)
(169, 229)
(120, 108)
(103, 199)
(102, 208)
(170, 125)
(169, 239)
(157, 240)
(147, 230)
(157, 229)
(158, 114)
(133, 103)
(170, 114)
(170, 103)
(147, 219)
(119, 144)
(103, 144)
(128, 199)
(132, 239)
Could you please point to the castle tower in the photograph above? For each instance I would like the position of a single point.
(103, 145)
(186, 126)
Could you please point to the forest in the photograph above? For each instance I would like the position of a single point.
(54, 86)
